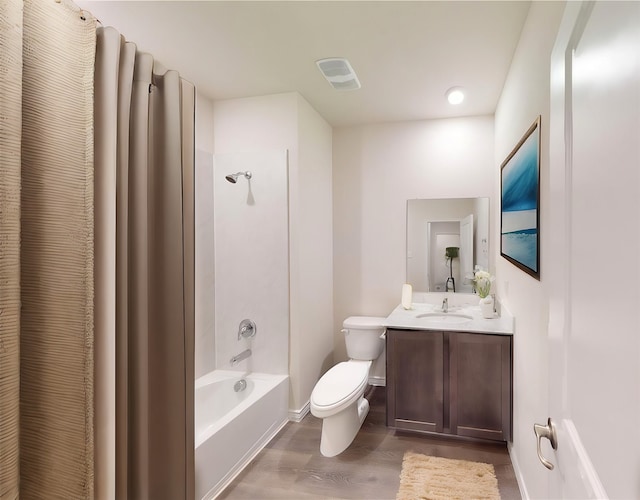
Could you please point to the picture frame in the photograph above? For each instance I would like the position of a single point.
(520, 203)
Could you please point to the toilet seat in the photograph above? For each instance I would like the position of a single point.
(339, 387)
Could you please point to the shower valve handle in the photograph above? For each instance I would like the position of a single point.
(247, 329)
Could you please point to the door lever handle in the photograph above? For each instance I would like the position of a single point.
(546, 431)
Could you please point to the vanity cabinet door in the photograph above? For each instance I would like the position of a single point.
(415, 380)
(480, 386)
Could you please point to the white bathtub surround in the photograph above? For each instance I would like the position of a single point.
(252, 260)
(232, 427)
(251, 268)
(204, 259)
(288, 121)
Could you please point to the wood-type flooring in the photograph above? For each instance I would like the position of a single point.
(291, 467)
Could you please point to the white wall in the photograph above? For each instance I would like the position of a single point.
(204, 284)
(376, 169)
(311, 351)
(286, 121)
(524, 97)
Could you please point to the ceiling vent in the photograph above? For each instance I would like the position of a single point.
(339, 73)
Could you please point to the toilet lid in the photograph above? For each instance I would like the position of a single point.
(340, 382)
(363, 322)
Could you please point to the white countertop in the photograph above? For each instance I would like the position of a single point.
(407, 319)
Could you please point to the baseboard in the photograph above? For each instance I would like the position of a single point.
(378, 381)
(518, 472)
(298, 415)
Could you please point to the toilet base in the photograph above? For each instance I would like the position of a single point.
(339, 430)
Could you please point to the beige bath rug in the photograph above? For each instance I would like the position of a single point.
(434, 478)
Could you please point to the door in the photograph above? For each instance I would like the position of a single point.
(594, 274)
(466, 253)
(440, 235)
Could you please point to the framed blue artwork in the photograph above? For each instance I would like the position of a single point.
(520, 203)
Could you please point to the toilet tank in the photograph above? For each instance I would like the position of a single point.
(362, 337)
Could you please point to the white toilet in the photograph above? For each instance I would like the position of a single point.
(338, 397)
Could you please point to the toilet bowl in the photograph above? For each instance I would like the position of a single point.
(338, 397)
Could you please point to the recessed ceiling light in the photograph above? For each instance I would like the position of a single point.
(339, 73)
(455, 95)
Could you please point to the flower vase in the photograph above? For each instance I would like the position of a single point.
(486, 307)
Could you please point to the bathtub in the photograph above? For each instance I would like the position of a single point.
(232, 427)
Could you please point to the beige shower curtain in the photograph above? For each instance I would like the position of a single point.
(144, 231)
(46, 219)
(10, 133)
(96, 358)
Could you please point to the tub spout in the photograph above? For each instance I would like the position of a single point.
(239, 357)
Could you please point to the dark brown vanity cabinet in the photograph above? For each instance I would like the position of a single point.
(415, 380)
(450, 383)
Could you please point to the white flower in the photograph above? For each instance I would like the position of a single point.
(482, 275)
(482, 281)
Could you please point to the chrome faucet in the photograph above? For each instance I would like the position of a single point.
(445, 305)
(239, 357)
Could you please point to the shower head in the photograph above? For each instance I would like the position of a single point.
(233, 178)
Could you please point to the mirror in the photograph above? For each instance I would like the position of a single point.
(435, 229)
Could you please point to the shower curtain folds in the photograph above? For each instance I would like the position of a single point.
(96, 262)
(144, 173)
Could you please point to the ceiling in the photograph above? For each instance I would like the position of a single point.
(406, 54)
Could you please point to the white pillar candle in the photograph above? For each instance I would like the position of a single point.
(407, 296)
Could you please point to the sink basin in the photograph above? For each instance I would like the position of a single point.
(443, 317)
